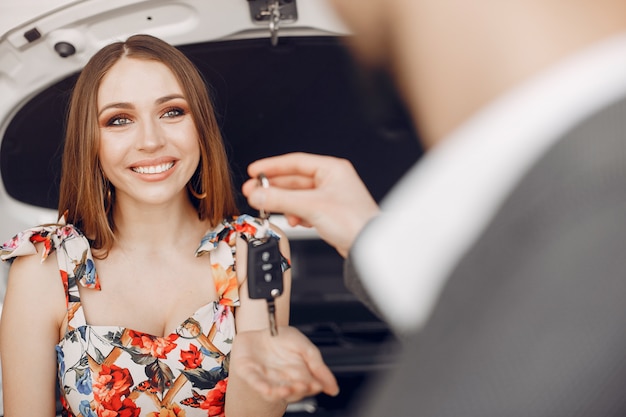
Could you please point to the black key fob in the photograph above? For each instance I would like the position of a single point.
(265, 275)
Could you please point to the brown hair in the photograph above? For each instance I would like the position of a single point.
(85, 194)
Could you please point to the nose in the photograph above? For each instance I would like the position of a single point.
(151, 136)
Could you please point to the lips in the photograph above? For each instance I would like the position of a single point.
(153, 169)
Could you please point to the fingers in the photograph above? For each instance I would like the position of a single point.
(258, 199)
(301, 185)
(287, 182)
(321, 372)
(289, 385)
(278, 200)
(297, 163)
(311, 367)
(325, 377)
(296, 221)
(314, 191)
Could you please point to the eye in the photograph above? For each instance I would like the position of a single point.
(173, 112)
(119, 120)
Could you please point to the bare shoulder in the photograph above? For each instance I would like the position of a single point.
(31, 268)
(35, 286)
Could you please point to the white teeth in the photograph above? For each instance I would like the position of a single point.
(154, 169)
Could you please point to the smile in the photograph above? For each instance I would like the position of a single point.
(154, 169)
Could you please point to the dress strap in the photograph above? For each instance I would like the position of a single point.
(220, 243)
(73, 255)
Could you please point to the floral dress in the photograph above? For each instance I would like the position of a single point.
(113, 371)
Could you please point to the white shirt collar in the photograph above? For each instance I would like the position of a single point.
(437, 212)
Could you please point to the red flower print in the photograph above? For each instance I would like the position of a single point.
(119, 408)
(47, 242)
(215, 398)
(191, 358)
(246, 227)
(158, 347)
(110, 385)
(112, 382)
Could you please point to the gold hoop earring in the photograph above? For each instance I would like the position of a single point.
(108, 200)
(195, 193)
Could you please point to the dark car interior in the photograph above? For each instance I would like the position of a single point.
(304, 94)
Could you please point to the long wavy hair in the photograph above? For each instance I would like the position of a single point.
(86, 196)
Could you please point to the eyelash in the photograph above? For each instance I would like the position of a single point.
(115, 120)
(179, 112)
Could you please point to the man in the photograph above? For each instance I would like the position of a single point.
(500, 255)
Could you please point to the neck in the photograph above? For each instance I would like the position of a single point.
(157, 225)
(457, 56)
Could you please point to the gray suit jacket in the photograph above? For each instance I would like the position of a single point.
(532, 322)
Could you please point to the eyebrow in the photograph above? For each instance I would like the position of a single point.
(125, 105)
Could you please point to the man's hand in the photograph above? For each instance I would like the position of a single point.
(314, 191)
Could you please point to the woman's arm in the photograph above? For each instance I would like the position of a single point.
(252, 315)
(33, 312)
(270, 371)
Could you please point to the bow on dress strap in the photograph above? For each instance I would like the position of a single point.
(72, 247)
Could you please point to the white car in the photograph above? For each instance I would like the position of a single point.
(281, 81)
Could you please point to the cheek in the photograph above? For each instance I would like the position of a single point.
(109, 155)
(190, 143)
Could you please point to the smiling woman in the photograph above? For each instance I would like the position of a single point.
(130, 75)
(149, 148)
(143, 314)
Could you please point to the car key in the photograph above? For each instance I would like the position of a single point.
(265, 275)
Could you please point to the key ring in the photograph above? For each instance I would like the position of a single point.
(265, 183)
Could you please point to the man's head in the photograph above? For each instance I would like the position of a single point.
(450, 58)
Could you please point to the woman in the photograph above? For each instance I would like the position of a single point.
(149, 280)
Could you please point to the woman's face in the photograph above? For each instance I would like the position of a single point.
(149, 145)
